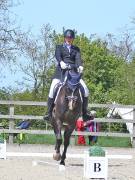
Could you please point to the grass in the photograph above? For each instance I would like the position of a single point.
(102, 141)
(114, 142)
(37, 139)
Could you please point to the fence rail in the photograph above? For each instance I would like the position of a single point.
(75, 133)
(36, 103)
(30, 117)
(11, 116)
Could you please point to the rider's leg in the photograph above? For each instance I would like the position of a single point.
(85, 114)
(51, 99)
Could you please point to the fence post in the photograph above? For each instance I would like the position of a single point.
(46, 126)
(11, 124)
(133, 143)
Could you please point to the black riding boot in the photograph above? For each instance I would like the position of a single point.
(50, 108)
(85, 114)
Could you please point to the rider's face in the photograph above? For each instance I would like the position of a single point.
(69, 40)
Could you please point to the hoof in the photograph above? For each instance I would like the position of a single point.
(57, 156)
(61, 168)
(62, 163)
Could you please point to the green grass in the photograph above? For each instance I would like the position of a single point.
(102, 141)
(114, 142)
(37, 139)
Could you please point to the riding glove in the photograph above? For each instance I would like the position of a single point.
(63, 65)
(80, 69)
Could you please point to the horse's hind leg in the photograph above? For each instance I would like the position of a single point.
(67, 135)
(57, 130)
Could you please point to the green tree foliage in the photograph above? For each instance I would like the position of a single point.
(4, 95)
(100, 67)
(124, 89)
(107, 73)
(108, 76)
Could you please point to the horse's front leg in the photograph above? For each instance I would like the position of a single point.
(57, 130)
(67, 135)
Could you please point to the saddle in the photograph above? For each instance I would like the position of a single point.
(72, 79)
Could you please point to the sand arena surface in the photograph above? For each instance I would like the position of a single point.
(21, 168)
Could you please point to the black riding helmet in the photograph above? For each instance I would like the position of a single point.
(69, 34)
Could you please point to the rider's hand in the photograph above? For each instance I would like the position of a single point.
(63, 65)
(80, 69)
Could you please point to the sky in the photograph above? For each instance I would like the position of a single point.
(86, 16)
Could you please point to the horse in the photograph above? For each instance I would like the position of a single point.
(124, 113)
(67, 109)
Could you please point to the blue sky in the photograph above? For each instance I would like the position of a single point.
(86, 16)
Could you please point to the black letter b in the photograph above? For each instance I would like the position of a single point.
(97, 167)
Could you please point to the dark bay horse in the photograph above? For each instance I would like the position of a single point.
(67, 109)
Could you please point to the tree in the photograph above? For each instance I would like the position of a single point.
(9, 34)
(124, 89)
(123, 46)
(100, 66)
(39, 57)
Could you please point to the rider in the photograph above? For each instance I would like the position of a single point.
(67, 54)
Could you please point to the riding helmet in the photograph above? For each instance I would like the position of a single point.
(69, 34)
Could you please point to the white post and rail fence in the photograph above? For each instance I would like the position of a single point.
(12, 116)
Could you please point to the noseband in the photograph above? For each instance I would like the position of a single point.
(73, 98)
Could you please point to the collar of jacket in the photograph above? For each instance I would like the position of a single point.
(67, 45)
(71, 47)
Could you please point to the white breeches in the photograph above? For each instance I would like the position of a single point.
(56, 81)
